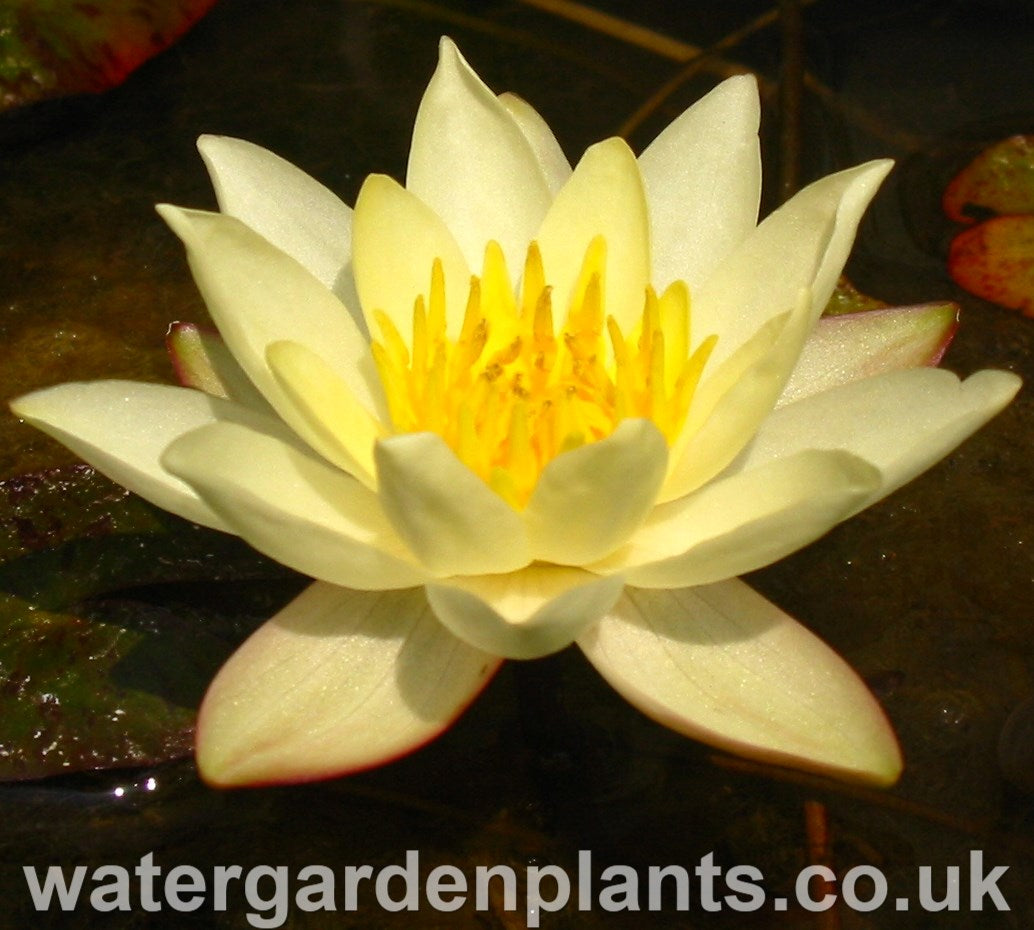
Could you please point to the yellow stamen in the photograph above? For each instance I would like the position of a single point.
(510, 392)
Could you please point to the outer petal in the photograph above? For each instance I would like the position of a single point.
(123, 427)
(723, 665)
(803, 244)
(449, 517)
(397, 239)
(702, 176)
(850, 346)
(743, 522)
(282, 203)
(258, 295)
(338, 681)
(555, 167)
(471, 163)
(293, 507)
(588, 501)
(526, 614)
(902, 422)
(605, 197)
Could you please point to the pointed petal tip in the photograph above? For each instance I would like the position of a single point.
(722, 665)
(999, 387)
(181, 220)
(206, 141)
(340, 681)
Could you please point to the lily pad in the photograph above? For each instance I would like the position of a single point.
(113, 618)
(54, 48)
(995, 260)
(999, 180)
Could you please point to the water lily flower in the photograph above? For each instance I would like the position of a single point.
(512, 406)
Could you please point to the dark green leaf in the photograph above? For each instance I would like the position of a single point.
(113, 618)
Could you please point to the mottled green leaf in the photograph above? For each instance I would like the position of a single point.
(113, 618)
(1000, 180)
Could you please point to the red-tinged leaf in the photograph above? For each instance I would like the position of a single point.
(999, 180)
(54, 48)
(995, 260)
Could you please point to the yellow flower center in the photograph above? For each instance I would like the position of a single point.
(510, 393)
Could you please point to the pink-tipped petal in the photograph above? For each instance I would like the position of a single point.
(723, 665)
(202, 360)
(850, 346)
(338, 681)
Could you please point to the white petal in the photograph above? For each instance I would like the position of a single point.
(397, 239)
(471, 163)
(338, 426)
(849, 346)
(803, 244)
(555, 167)
(604, 197)
(449, 517)
(294, 507)
(740, 523)
(589, 501)
(723, 665)
(902, 422)
(730, 406)
(526, 614)
(702, 176)
(283, 204)
(337, 682)
(258, 295)
(123, 427)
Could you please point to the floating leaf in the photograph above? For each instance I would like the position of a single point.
(53, 48)
(995, 260)
(999, 180)
(99, 667)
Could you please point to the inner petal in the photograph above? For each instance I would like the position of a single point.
(512, 391)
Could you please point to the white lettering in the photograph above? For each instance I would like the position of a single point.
(410, 879)
(54, 883)
(483, 874)
(804, 897)
(535, 904)
(320, 894)
(653, 886)
(277, 903)
(850, 880)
